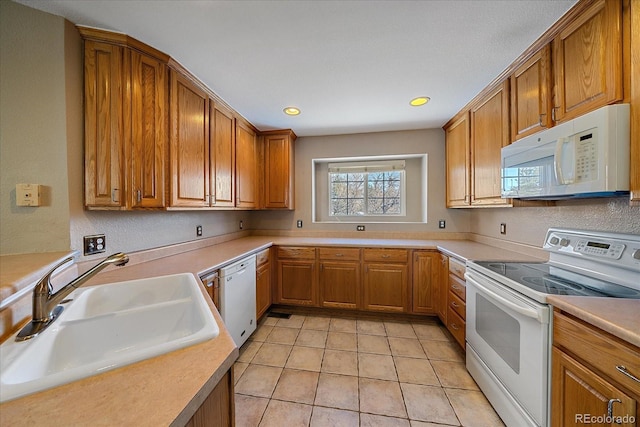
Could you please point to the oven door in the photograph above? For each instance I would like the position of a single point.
(510, 334)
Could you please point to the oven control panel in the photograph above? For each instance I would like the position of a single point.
(611, 248)
(602, 249)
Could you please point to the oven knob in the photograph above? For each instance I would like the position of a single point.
(554, 240)
(636, 254)
(564, 242)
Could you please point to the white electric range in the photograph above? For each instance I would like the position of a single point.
(509, 323)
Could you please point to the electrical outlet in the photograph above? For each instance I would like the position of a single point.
(198, 230)
(241, 224)
(503, 228)
(442, 223)
(299, 223)
(94, 244)
(360, 227)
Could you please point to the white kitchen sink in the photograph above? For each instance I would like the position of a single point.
(106, 327)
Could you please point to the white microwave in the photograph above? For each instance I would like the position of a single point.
(584, 157)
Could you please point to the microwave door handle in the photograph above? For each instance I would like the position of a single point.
(557, 160)
(513, 306)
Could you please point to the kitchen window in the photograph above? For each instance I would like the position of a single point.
(367, 188)
(370, 189)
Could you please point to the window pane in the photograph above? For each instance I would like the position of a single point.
(338, 177)
(338, 189)
(338, 207)
(375, 206)
(355, 207)
(356, 189)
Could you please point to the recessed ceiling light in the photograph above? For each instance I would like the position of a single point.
(292, 111)
(421, 100)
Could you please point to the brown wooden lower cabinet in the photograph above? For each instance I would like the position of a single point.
(218, 408)
(587, 378)
(297, 282)
(339, 284)
(442, 289)
(385, 287)
(426, 275)
(263, 289)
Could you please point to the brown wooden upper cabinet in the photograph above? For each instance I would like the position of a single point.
(104, 124)
(223, 157)
(125, 122)
(189, 143)
(587, 61)
(531, 95)
(279, 169)
(247, 157)
(489, 133)
(458, 162)
(148, 131)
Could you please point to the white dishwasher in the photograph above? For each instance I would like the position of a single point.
(238, 298)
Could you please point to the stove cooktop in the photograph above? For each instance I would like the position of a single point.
(547, 279)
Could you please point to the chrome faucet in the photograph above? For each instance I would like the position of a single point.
(45, 301)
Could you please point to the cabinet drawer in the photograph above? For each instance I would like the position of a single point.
(262, 257)
(456, 326)
(458, 287)
(386, 255)
(457, 267)
(598, 349)
(338, 254)
(296, 252)
(457, 305)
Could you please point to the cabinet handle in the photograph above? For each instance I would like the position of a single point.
(339, 255)
(454, 326)
(610, 406)
(454, 304)
(385, 256)
(623, 369)
(553, 113)
(114, 192)
(212, 199)
(138, 196)
(540, 120)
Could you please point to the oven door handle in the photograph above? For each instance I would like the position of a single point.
(513, 306)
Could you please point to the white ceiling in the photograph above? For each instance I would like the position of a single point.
(350, 66)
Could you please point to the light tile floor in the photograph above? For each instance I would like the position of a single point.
(329, 371)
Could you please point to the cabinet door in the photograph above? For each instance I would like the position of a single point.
(339, 284)
(148, 131)
(385, 287)
(223, 157)
(531, 95)
(458, 162)
(426, 269)
(189, 144)
(246, 167)
(576, 391)
(278, 171)
(297, 282)
(489, 133)
(442, 287)
(217, 408)
(103, 127)
(588, 61)
(263, 289)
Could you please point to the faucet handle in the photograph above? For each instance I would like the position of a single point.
(44, 284)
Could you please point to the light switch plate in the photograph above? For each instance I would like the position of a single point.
(27, 195)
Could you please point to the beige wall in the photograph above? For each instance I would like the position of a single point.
(41, 141)
(426, 141)
(529, 225)
(33, 132)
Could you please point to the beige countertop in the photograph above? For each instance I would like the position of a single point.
(619, 317)
(166, 390)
